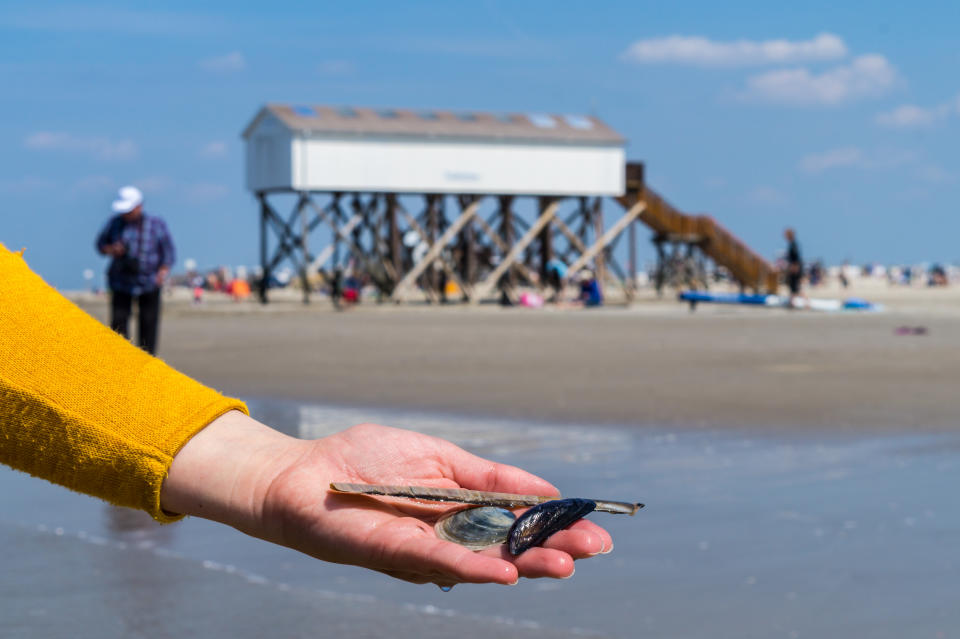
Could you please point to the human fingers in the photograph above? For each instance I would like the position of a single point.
(537, 562)
(579, 544)
(477, 473)
(594, 530)
(422, 557)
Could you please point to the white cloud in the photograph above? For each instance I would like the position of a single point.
(855, 157)
(865, 76)
(101, 148)
(935, 174)
(834, 158)
(214, 149)
(701, 51)
(910, 116)
(229, 63)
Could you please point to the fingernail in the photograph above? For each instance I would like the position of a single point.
(572, 573)
(607, 551)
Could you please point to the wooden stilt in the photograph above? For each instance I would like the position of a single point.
(482, 289)
(399, 293)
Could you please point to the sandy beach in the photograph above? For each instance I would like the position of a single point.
(655, 363)
(794, 482)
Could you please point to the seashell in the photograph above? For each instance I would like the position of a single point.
(533, 527)
(476, 528)
(476, 497)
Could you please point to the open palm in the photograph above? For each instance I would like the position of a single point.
(396, 536)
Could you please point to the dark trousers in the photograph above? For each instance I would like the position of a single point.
(148, 310)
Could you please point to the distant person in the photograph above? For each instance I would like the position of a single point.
(590, 293)
(938, 276)
(816, 273)
(556, 277)
(844, 274)
(794, 265)
(142, 252)
(336, 287)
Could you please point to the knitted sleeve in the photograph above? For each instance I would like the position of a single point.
(82, 407)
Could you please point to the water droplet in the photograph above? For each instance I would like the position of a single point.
(446, 588)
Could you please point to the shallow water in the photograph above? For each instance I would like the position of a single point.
(743, 536)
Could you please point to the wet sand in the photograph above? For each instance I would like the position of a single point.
(654, 364)
(788, 535)
(836, 523)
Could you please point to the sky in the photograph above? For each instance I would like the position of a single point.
(840, 121)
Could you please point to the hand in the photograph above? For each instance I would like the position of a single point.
(116, 249)
(271, 486)
(162, 273)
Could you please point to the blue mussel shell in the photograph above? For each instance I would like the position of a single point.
(533, 527)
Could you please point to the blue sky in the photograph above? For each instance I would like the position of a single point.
(840, 121)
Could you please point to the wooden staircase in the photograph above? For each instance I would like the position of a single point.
(716, 242)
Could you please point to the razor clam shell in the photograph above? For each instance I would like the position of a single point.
(477, 497)
(476, 528)
(533, 527)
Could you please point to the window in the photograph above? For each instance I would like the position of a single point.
(304, 111)
(467, 117)
(347, 112)
(542, 120)
(387, 114)
(578, 122)
(506, 118)
(427, 115)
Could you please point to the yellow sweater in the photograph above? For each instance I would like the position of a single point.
(82, 407)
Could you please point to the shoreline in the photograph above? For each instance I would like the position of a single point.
(654, 364)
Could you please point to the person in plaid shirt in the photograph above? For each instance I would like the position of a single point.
(142, 252)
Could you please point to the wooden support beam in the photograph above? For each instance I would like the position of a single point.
(444, 262)
(503, 246)
(629, 216)
(546, 241)
(632, 262)
(395, 251)
(304, 248)
(597, 214)
(339, 233)
(264, 266)
(575, 241)
(434, 252)
(507, 232)
(483, 288)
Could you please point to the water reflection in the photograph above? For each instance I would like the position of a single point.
(136, 527)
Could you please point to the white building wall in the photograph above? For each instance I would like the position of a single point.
(427, 166)
(269, 157)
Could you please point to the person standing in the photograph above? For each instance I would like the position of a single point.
(142, 252)
(794, 265)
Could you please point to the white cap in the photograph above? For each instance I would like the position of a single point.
(129, 198)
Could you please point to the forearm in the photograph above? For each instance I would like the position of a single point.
(82, 407)
(224, 473)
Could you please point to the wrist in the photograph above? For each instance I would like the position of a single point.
(225, 471)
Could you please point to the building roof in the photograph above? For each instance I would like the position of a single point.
(430, 123)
